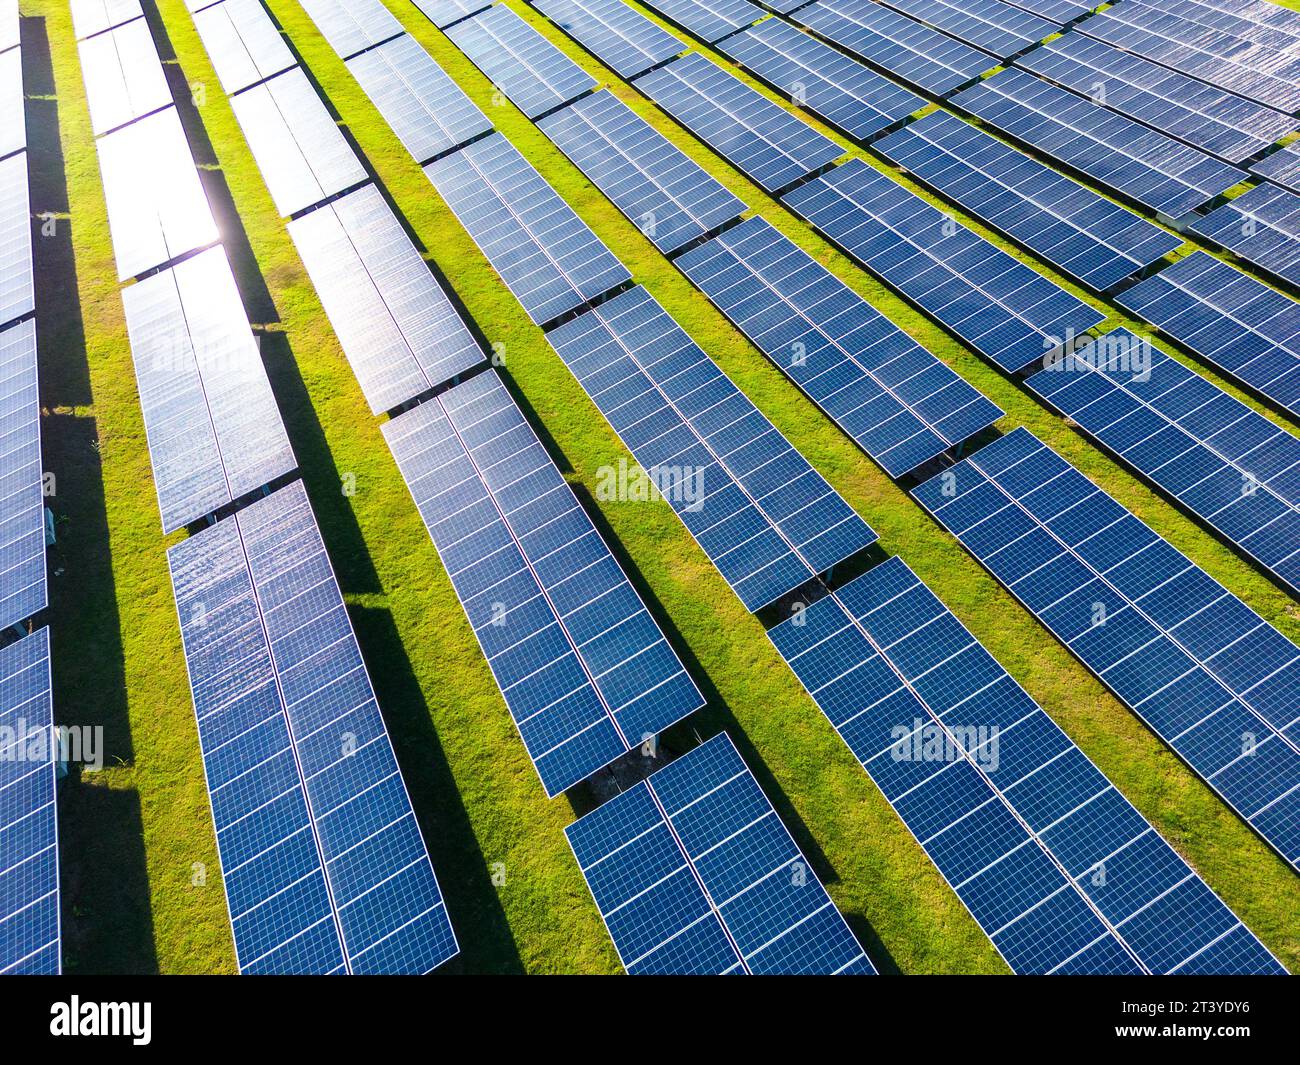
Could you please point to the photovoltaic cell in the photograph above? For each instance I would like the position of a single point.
(1081, 233)
(1014, 815)
(124, 79)
(95, 16)
(898, 402)
(694, 873)
(1135, 162)
(1235, 323)
(397, 327)
(13, 126)
(1059, 11)
(1262, 23)
(922, 57)
(1231, 127)
(584, 669)
(669, 197)
(818, 77)
(758, 137)
(242, 42)
(1002, 308)
(547, 256)
(9, 32)
(17, 292)
(298, 146)
(709, 20)
(22, 497)
(1282, 167)
(1262, 227)
(766, 519)
(529, 69)
(30, 932)
(624, 40)
(1206, 673)
(352, 26)
(214, 430)
(999, 29)
(426, 109)
(443, 13)
(324, 866)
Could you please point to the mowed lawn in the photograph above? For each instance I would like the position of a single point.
(141, 877)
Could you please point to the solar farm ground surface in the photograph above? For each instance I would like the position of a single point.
(142, 885)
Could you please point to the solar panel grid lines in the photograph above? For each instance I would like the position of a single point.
(1076, 230)
(669, 197)
(123, 76)
(1249, 27)
(352, 26)
(531, 71)
(821, 79)
(427, 110)
(694, 873)
(30, 924)
(443, 13)
(22, 497)
(1062, 12)
(709, 20)
(1257, 12)
(243, 43)
(1281, 167)
(623, 39)
(17, 286)
(547, 256)
(1262, 227)
(1002, 30)
(899, 403)
(1200, 669)
(95, 16)
(1227, 318)
(1004, 309)
(13, 125)
(1130, 160)
(762, 140)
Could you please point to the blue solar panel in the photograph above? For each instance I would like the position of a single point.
(443, 13)
(22, 501)
(1081, 233)
(1206, 673)
(1258, 21)
(694, 873)
(665, 194)
(352, 26)
(426, 109)
(761, 139)
(1061, 12)
(324, 865)
(547, 256)
(916, 54)
(30, 935)
(523, 64)
(624, 40)
(820, 78)
(584, 669)
(1049, 858)
(999, 29)
(1132, 161)
(1230, 320)
(1215, 121)
(709, 20)
(1262, 227)
(897, 401)
(762, 514)
(1002, 308)
(1226, 463)
(1282, 167)
(17, 289)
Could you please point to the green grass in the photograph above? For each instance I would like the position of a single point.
(133, 833)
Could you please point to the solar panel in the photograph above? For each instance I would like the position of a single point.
(825, 81)
(22, 505)
(1213, 56)
(1262, 227)
(1227, 464)
(624, 40)
(17, 292)
(9, 30)
(1227, 318)
(547, 256)
(584, 669)
(1081, 233)
(1206, 673)
(999, 29)
(1251, 12)
(1061, 12)
(761, 139)
(899, 403)
(709, 20)
(694, 873)
(397, 327)
(124, 78)
(1005, 310)
(298, 146)
(426, 109)
(1060, 871)
(352, 26)
(766, 519)
(214, 430)
(157, 210)
(13, 126)
(1215, 121)
(323, 862)
(922, 57)
(1130, 160)
(1282, 167)
(1255, 23)
(243, 43)
(30, 932)
(95, 16)
(666, 195)
(442, 13)
(529, 69)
